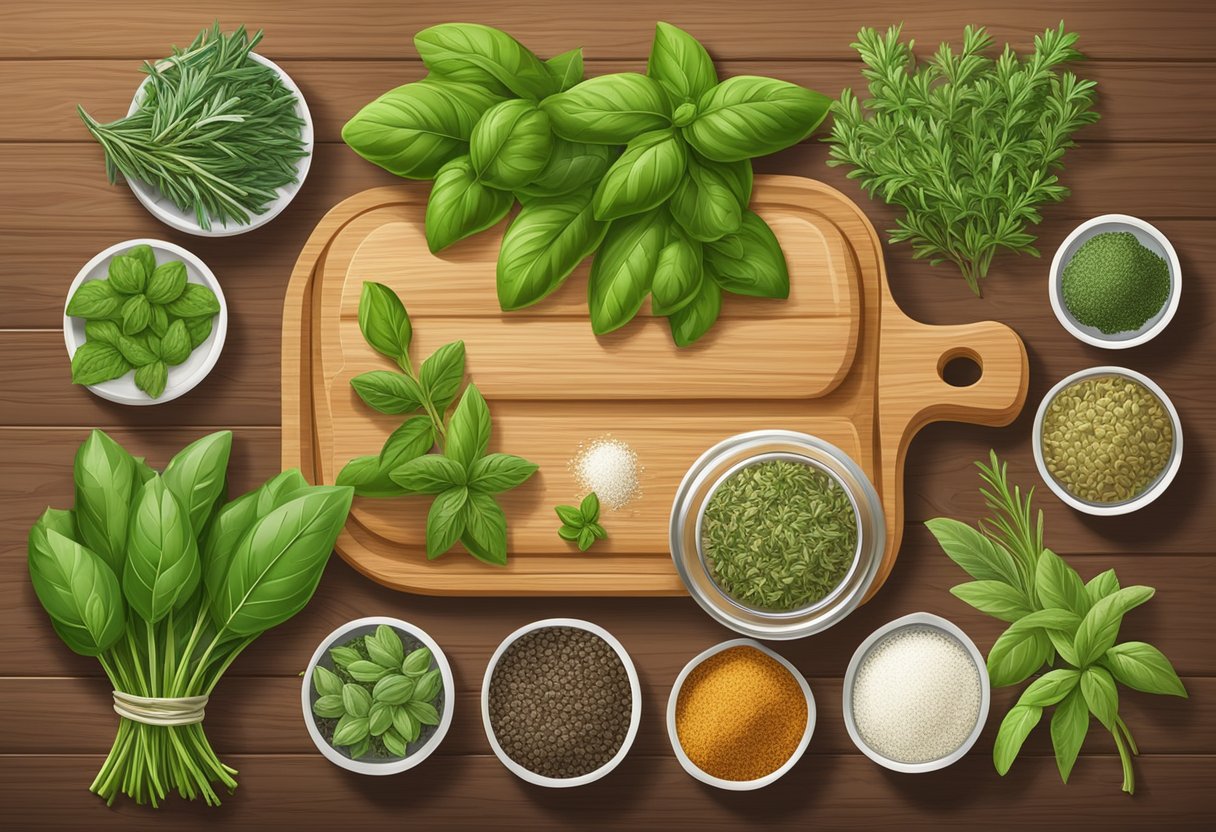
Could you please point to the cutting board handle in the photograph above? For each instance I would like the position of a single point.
(995, 399)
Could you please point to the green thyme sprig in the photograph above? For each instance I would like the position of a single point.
(581, 525)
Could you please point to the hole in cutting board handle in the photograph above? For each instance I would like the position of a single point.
(960, 367)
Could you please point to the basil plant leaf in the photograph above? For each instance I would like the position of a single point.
(388, 392)
(94, 299)
(1144, 668)
(96, 361)
(468, 429)
(1101, 695)
(349, 731)
(442, 373)
(995, 598)
(644, 177)
(199, 329)
(329, 706)
(195, 301)
(445, 521)
(623, 269)
(394, 689)
(510, 144)
(152, 378)
(384, 647)
(571, 533)
(570, 515)
(678, 274)
(326, 682)
(609, 109)
(495, 473)
(175, 345)
(104, 477)
(356, 700)
(362, 670)
(106, 332)
(545, 243)
(486, 525)
(159, 324)
(697, 317)
(414, 130)
(371, 475)
(394, 742)
(571, 167)
(144, 255)
(429, 474)
(1015, 728)
(747, 116)
(167, 282)
(1058, 585)
(1016, 655)
(709, 201)
(1100, 627)
(76, 587)
(589, 508)
(566, 68)
(428, 687)
(461, 205)
(1101, 585)
(761, 271)
(1069, 725)
(198, 474)
(680, 63)
(481, 55)
(384, 322)
(1051, 687)
(978, 556)
(128, 275)
(162, 567)
(136, 314)
(135, 350)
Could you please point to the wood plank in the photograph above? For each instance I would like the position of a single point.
(261, 715)
(1174, 29)
(44, 93)
(308, 792)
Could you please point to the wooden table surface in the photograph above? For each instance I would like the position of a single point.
(1152, 155)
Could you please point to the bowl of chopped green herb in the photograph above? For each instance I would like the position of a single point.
(1115, 282)
(777, 534)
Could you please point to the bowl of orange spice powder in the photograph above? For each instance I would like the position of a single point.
(740, 716)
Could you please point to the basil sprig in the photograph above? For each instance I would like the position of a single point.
(432, 453)
(1053, 615)
(651, 173)
(581, 524)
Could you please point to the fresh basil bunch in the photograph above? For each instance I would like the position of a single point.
(1052, 614)
(651, 171)
(459, 473)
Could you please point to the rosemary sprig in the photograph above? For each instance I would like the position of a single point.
(215, 133)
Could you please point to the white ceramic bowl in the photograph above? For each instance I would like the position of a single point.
(738, 785)
(361, 627)
(926, 620)
(183, 377)
(1150, 238)
(1145, 497)
(635, 718)
(168, 213)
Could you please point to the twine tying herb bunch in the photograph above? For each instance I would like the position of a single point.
(215, 132)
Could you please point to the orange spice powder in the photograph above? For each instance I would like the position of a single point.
(740, 714)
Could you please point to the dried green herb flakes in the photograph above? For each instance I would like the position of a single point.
(779, 535)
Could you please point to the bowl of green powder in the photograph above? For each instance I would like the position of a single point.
(1115, 282)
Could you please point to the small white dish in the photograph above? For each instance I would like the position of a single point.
(174, 217)
(1145, 497)
(923, 619)
(361, 627)
(738, 785)
(183, 377)
(1151, 238)
(635, 717)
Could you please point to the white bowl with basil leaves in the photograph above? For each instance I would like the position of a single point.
(390, 660)
(179, 378)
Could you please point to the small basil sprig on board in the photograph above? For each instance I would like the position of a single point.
(1053, 615)
(652, 171)
(581, 525)
(380, 697)
(432, 453)
(143, 317)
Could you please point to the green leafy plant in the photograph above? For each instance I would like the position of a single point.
(968, 146)
(432, 453)
(1052, 615)
(166, 582)
(143, 317)
(650, 173)
(581, 524)
(378, 698)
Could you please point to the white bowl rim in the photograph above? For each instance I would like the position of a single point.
(927, 619)
(1148, 495)
(1065, 317)
(217, 337)
(635, 717)
(170, 215)
(739, 785)
(445, 721)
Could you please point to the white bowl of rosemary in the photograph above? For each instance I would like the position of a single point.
(248, 164)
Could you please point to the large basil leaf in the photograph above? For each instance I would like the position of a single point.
(231, 523)
(468, 429)
(609, 109)
(544, 243)
(643, 177)
(152, 378)
(384, 322)
(485, 56)
(572, 166)
(1100, 626)
(129, 275)
(94, 299)
(680, 63)
(445, 521)
(278, 563)
(749, 116)
(499, 472)
(104, 475)
(978, 556)
(1069, 725)
(1143, 667)
(510, 144)
(414, 130)
(695, 318)
(677, 277)
(1017, 654)
(1015, 728)
(486, 525)
(1101, 585)
(441, 374)
(195, 301)
(461, 205)
(1051, 687)
(996, 598)
(1101, 695)
(75, 586)
(162, 568)
(710, 199)
(197, 475)
(1058, 585)
(566, 68)
(388, 392)
(370, 475)
(175, 346)
(136, 315)
(429, 474)
(624, 267)
(167, 282)
(96, 361)
(761, 271)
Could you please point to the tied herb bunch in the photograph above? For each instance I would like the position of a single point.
(967, 145)
(1056, 620)
(432, 453)
(166, 582)
(650, 173)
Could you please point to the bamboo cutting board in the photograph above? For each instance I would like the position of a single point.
(838, 359)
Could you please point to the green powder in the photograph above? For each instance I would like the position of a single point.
(779, 535)
(1114, 284)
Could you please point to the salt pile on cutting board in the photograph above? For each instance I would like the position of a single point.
(609, 468)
